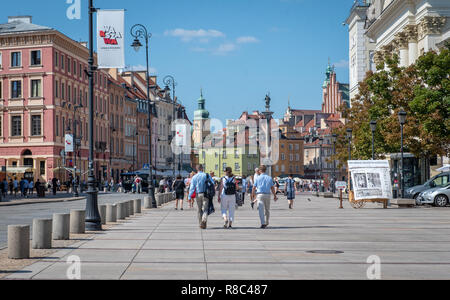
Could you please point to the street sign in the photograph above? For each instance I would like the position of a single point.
(146, 166)
(341, 185)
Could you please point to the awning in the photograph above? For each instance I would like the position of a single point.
(18, 170)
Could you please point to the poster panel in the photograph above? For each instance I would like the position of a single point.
(110, 38)
(371, 179)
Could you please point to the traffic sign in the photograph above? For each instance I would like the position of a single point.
(341, 185)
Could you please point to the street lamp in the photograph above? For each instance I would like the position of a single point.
(170, 81)
(320, 162)
(373, 128)
(93, 220)
(139, 31)
(402, 120)
(334, 139)
(75, 148)
(349, 136)
(111, 150)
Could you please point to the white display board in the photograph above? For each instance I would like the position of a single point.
(371, 179)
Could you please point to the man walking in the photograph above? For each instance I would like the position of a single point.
(198, 185)
(261, 193)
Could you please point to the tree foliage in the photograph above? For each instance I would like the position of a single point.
(422, 90)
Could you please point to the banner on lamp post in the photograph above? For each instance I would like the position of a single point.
(110, 38)
(69, 143)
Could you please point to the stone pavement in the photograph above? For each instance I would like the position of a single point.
(168, 244)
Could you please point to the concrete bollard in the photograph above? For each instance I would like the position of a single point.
(77, 221)
(102, 211)
(158, 199)
(61, 227)
(121, 213)
(127, 209)
(42, 234)
(147, 202)
(18, 241)
(111, 213)
(131, 207)
(137, 206)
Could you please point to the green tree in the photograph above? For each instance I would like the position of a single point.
(422, 90)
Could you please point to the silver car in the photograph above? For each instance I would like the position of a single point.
(438, 196)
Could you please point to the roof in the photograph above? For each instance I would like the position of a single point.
(299, 112)
(19, 26)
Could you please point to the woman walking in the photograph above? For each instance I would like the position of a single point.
(179, 187)
(290, 191)
(227, 197)
(188, 184)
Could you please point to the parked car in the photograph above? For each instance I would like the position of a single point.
(437, 181)
(437, 196)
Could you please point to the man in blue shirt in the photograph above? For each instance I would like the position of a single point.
(198, 185)
(262, 188)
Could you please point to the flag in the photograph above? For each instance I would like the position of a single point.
(110, 38)
(69, 143)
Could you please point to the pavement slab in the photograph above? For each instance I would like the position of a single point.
(316, 240)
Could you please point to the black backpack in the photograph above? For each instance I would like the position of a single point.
(230, 186)
(210, 190)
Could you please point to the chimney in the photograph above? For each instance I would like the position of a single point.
(23, 19)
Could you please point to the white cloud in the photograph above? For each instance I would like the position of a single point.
(188, 35)
(343, 63)
(225, 49)
(246, 40)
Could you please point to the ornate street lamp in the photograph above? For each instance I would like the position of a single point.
(139, 31)
(93, 221)
(402, 120)
(170, 81)
(373, 128)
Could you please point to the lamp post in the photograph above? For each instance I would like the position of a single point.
(373, 128)
(349, 136)
(93, 221)
(320, 163)
(111, 149)
(334, 139)
(139, 31)
(170, 81)
(75, 148)
(402, 120)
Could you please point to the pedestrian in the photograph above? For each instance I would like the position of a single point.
(5, 188)
(227, 197)
(54, 185)
(188, 184)
(16, 186)
(138, 184)
(255, 177)
(38, 188)
(179, 187)
(261, 193)
(199, 187)
(30, 187)
(290, 190)
(244, 187)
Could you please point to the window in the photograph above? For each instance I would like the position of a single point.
(16, 59)
(224, 166)
(36, 88)
(1, 60)
(42, 168)
(36, 58)
(16, 126)
(36, 125)
(56, 88)
(56, 59)
(283, 157)
(1, 126)
(75, 68)
(63, 91)
(237, 167)
(57, 126)
(1, 89)
(62, 62)
(16, 89)
(69, 98)
(68, 65)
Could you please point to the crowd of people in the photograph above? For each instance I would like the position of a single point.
(22, 188)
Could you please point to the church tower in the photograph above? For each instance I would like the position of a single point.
(201, 123)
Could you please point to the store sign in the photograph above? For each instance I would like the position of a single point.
(110, 39)
(69, 143)
(371, 179)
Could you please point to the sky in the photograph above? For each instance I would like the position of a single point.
(236, 51)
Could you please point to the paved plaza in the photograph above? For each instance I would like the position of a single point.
(168, 244)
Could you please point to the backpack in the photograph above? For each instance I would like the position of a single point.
(230, 186)
(210, 190)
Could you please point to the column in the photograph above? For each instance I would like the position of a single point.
(411, 34)
(401, 42)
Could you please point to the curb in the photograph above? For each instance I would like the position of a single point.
(40, 202)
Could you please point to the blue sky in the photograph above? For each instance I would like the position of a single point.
(235, 50)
